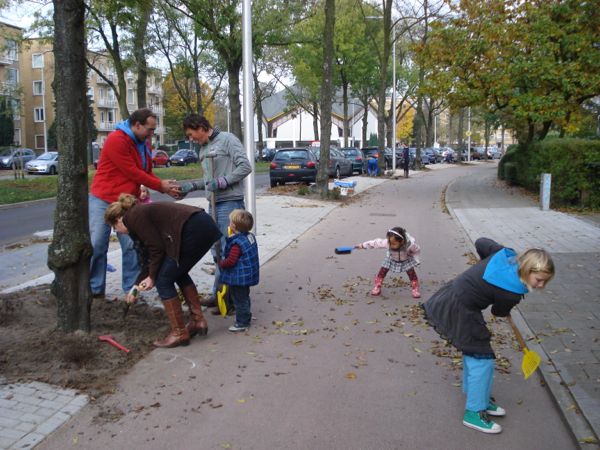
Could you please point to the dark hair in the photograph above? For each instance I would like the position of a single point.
(397, 233)
(141, 116)
(195, 121)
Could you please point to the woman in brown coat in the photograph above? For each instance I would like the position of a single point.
(171, 238)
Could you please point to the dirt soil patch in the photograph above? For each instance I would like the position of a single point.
(32, 349)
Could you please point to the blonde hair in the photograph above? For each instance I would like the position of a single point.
(535, 260)
(242, 220)
(117, 209)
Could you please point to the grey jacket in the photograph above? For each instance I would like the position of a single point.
(230, 161)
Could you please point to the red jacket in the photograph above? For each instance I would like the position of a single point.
(120, 169)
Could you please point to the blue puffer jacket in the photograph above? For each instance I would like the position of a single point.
(246, 270)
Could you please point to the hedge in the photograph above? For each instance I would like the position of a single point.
(573, 163)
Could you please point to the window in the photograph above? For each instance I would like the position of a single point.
(90, 93)
(17, 136)
(16, 109)
(38, 87)
(38, 115)
(39, 141)
(37, 61)
(12, 50)
(130, 99)
(12, 77)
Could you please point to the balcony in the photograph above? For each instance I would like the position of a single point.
(159, 130)
(100, 80)
(106, 103)
(157, 109)
(154, 89)
(5, 60)
(106, 126)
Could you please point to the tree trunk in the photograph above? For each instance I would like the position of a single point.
(383, 80)
(365, 120)
(235, 107)
(70, 250)
(315, 117)
(460, 133)
(139, 49)
(326, 98)
(346, 118)
(259, 111)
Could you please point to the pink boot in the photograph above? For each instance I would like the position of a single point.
(415, 288)
(377, 289)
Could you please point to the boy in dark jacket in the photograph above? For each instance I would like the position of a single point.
(240, 266)
(500, 279)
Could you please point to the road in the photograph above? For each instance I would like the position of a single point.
(325, 365)
(19, 222)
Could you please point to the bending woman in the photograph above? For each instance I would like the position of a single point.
(171, 238)
(500, 279)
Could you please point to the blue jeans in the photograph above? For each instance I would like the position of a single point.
(478, 377)
(240, 297)
(223, 209)
(100, 236)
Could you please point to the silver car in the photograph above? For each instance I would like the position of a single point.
(14, 158)
(45, 163)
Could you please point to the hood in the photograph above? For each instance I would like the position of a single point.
(125, 127)
(503, 271)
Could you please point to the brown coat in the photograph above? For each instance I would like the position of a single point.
(157, 227)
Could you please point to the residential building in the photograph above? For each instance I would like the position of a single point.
(10, 36)
(37, 69)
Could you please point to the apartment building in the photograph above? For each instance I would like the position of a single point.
(10, 36)
(37, 69)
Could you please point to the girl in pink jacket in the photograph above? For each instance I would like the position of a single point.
(402, 251)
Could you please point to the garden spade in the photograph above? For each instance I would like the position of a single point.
(531, 360)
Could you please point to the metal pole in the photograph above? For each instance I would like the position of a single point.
(248, 106)
(394, 102)
(469, 136)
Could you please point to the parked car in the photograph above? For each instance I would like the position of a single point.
(448, 155)
(11, 158)
(339, 165)
(160, 158)
(293, 164)
(433, 154)
(183, 157)
(268, 154)
(356, 157)
(45, 163)
(494, 153)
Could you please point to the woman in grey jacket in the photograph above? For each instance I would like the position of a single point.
(500, 279)
(224, 167)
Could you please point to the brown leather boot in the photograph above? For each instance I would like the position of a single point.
(179, 334)
(197, 323)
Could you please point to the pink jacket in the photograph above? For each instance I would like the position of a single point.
(411, 248)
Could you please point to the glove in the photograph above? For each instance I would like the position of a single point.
(188, 187)
(217, 184)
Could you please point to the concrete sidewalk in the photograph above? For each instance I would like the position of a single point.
(564, 317)
(561, 323)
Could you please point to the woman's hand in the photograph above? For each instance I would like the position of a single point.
(146, 284)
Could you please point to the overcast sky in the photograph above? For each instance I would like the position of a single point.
(21, 15)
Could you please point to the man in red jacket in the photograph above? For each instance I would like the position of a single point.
(125, 164)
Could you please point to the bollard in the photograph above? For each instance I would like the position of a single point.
(545, 183)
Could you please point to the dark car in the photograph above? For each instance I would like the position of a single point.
(338, 166)
(356, 157)
(428, 155)
(15, 158)
(268, 154)
(45, 163)
(183, 157)
(293, 164)
(160, 158)
(389, 158)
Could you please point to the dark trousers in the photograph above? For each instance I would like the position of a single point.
(240, 296)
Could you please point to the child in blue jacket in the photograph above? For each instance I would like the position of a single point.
(240, 266)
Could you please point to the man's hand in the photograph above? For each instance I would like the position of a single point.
(217, 184)
(170, 187)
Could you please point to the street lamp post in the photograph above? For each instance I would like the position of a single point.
(394, 101)
(469, 135)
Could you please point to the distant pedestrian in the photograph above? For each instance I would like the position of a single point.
(240, 266)
(405, 160)
(224, 167)
(170, 238)
(372, 167)
(500, 279)
(402, 256)
(125, 164)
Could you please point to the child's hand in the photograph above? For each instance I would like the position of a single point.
(358, 246)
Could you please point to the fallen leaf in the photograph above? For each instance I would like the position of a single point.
(351, 376)
(241, 400)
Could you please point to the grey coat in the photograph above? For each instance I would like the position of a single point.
(455, 310)
(230, 161)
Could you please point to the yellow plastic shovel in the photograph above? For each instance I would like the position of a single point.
(222, 299)
(531, 360)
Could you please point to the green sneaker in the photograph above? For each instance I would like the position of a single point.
(495, 410)
(478, 420)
